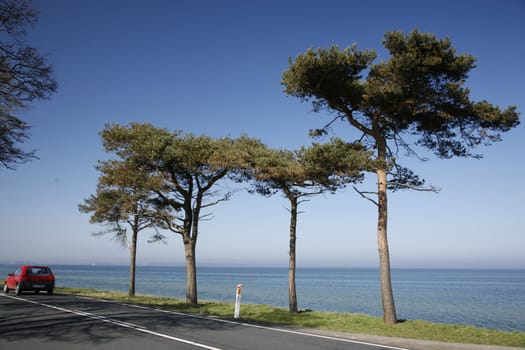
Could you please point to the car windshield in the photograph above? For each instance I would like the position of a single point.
(36, 270)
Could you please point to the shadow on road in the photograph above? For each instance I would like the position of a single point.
(22, 320)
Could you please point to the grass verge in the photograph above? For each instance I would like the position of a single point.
(330, 321)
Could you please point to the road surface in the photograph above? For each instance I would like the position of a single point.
(30, 321)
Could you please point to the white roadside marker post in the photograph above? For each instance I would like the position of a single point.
(237, 301)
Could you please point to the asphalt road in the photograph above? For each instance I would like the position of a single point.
(31, 321)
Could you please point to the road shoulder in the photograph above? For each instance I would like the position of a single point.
(412, 344)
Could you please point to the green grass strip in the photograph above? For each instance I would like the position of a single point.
(330, 321)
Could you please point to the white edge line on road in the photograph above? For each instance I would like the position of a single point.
(282, 330)
(117, 323)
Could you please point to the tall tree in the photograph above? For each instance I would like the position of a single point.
(188, 169)
(304, 173)
(123, 199)
(25, 76)
(418, 95)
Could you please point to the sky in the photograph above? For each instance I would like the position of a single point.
(214, 68)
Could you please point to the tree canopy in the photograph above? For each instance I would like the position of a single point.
(183, 171)
(25, 76)
(124, 201)
(122, 193)
(419, 91)
(310, 170)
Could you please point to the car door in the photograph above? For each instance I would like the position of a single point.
(17, 276)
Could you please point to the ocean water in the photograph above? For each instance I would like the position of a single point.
(482, 298)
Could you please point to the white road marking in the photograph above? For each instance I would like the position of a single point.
(145, 330)
(282, 330)
(118, 323)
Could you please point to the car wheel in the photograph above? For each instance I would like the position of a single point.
(50, 291)
(18, 289)
(6, 290)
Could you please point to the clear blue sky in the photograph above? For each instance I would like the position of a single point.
(214, 68)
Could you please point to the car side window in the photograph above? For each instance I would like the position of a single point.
(18, 271)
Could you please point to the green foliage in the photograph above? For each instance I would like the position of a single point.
(310, 170)
(174, 171)
(181, 169)
(327, 74)
(179, 155)
(419, 91)
(124, 198)
(337, 163)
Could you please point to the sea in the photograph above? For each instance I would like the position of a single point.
(484, 298)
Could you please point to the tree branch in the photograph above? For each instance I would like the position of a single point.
(363, 194)
(226, 197)
(322, 131)
(408, 186)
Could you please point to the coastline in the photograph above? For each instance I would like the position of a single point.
(485, 298)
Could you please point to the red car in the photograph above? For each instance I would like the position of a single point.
(35, 278)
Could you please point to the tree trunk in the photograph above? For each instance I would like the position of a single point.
(387, 295)
(191, 272)
(132, 265)
(292, 294)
